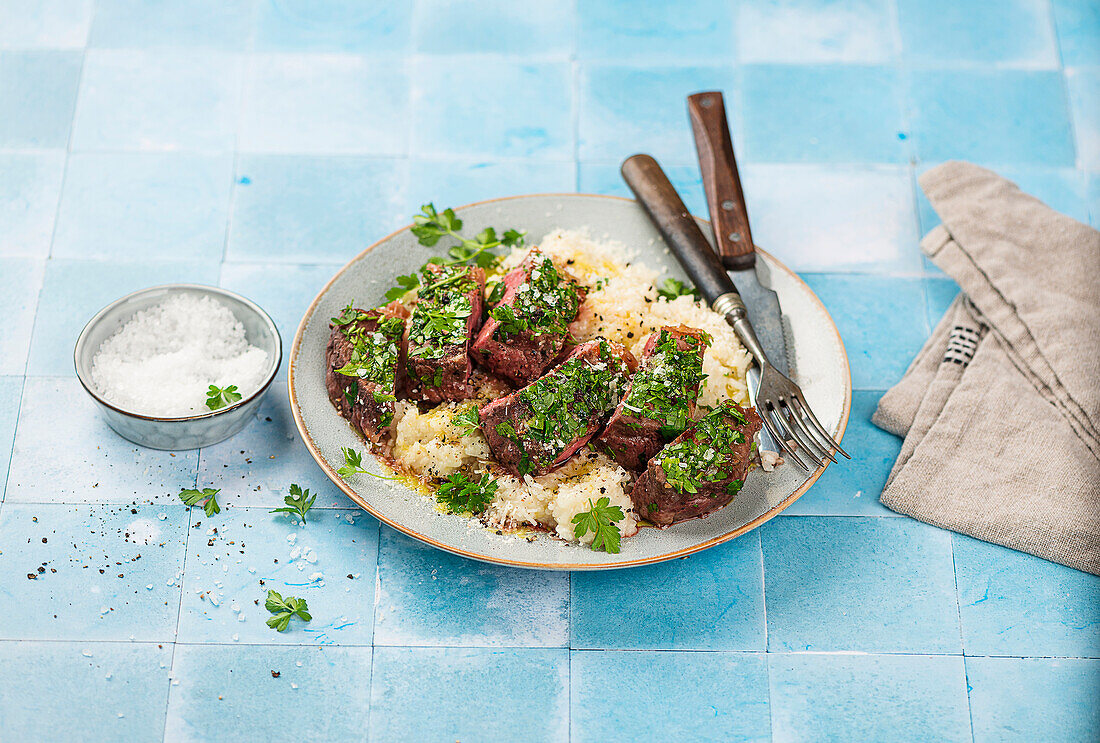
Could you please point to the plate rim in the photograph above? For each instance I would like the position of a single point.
(330, 472)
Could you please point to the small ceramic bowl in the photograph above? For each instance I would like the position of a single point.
(193, 431)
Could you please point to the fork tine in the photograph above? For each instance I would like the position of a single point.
(779, 439)
(805, 408)
(802, 433)
(807, 448)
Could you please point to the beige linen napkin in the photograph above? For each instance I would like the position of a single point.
(1000, 410)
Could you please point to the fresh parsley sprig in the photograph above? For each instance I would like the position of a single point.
(353, 465)
(468, 420)
(192, 497)
(670, 289)
(218, 398)
(460, 494)
(600, 519)
(284, 609)
(298, 502)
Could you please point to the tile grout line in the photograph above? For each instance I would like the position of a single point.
(179, 615)
(962, 639)
(14, 431)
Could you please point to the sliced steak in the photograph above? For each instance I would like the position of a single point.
(363, 367)
(529, 324)
(536, 429)
(660, 401)
(701, 470)
(446, 316)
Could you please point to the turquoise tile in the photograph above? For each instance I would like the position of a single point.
(20, 280)
(430, 597)
(879, 345)
(492, 110)
(230, 693)
(50, 24)
(811, 31)
(853, 488)
(11, 391)
(992, 117)
(868, 697)
(237, 556)
(1084, 99)
(333, 26)
(73, 291)
(257, 465)
(157, 206)
(822, 114)
(285, 291)
(1078, 24)
(939, 294)
(117, 570)
(719, 603)
(1014, 33)
(496, 26)
(605, 178)
(158, 100)
(98, 465)
(80, 691)
(1012, 603)
(456, 182)
(1062, 189)
(625, 110)
(853, 583)
(149, 24)
(37, 95)
(324, 104)
(829, 218)
(30, 185)
(1027, 699)
(669, 32)
(295, 208)
(680, 696)
(425, 694)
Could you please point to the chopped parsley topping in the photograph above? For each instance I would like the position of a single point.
(207, 496)
(218, 398)
(460, 494)
(662, 388)
(284, 609)
(670, 289)
(600, 519)
(442, 310)
(468, 420)
(563, 406)
(374, 356)
(348, 316)
(707, 454)
(298, 502)
(546, 303)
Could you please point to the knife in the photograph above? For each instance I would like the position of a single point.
(729, 218)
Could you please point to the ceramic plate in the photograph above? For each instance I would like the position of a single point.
(819, 360)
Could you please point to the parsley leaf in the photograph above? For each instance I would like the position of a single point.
(462, 495)
(298, 502)
(284, 609)
(192, 497)
(217, 398)
(468, 420)
(600, 520)
(405, 284)
(353, 463)
(348, 316)
(670, 289)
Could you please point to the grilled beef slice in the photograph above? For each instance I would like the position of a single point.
(701, 470)
(363, 365)
(660, 401)
(536, 429)
(446, 316)
(528, 326)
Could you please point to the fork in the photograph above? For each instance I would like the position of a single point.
(779, 401)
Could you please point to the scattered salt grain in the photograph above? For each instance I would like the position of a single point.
(163, 360)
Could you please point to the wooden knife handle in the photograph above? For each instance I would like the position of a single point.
(679, 229)
(728, 214)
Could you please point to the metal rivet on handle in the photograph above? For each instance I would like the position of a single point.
(734, 237)
(727, 205)
(706, 102)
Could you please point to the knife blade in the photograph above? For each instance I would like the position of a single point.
(729, 219)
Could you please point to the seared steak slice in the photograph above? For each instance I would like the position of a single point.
(446, 315)
(363, 367)
(701, 470)
(528, 326)
(660, 401)
(536, 429)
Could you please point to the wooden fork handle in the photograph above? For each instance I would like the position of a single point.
(728, 214)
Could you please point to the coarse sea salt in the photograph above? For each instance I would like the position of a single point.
(164, 359)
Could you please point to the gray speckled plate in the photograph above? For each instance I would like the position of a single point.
(819, 358)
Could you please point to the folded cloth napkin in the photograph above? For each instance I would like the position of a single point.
(1000, 410)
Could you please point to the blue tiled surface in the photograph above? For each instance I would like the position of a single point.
(259, 144)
